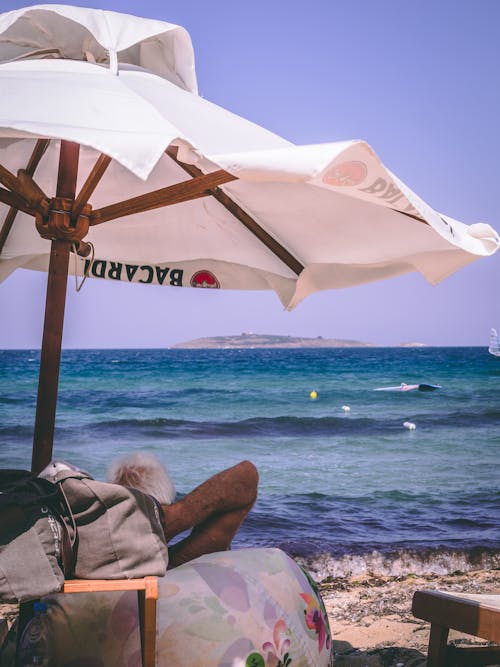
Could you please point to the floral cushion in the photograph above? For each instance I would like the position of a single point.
(245, 608)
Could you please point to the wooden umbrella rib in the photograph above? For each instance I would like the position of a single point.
(411, 215)
(36, 156)
(32, 192)
(7, 226)
(263, 236)
(38, 152)
(240, 214)
(10, 181)
(33, 162)
(15, 201)
(173, 194)
(23, 185)
(91, 183)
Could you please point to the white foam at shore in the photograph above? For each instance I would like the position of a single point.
(400, 563)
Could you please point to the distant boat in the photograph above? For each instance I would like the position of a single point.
(409, 387)
(494, 347)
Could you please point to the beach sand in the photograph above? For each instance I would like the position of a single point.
(371, 620)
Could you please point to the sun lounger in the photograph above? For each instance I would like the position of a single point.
(477, 615)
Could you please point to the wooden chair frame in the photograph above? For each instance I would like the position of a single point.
(147, 595)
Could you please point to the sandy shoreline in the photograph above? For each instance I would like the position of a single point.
(371, 620)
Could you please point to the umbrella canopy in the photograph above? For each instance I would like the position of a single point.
(105, 142)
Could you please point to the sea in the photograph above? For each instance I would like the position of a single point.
(347, 484)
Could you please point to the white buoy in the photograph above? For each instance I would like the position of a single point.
(346, 408)
(410, 426)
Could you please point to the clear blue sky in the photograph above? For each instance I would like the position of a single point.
(418, 80)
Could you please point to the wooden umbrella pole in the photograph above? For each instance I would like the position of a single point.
(50, 355)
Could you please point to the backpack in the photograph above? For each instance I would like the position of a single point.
(120, 530)
(36, 545)
(66, 524)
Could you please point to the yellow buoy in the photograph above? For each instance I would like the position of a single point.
(313, 395)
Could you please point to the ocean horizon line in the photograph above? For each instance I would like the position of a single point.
(175, 348)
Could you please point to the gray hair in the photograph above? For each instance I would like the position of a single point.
(144, 472)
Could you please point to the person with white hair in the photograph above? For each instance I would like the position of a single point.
(213, 511)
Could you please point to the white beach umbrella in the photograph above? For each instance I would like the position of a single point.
(105, 142)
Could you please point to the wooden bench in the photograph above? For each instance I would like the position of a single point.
(477, 615)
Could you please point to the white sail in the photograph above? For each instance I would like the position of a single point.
(494, 347)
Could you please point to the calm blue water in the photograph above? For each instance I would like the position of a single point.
(350, 491)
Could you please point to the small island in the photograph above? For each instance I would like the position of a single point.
(251, 340)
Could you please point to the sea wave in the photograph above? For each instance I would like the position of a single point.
(287, 425)
(381, 522)
(282, 426)
(401, 562)
(463, 419)
(363, 420)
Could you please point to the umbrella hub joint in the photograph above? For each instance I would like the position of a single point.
(60, 223)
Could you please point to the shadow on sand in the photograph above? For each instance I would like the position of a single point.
(347, 655)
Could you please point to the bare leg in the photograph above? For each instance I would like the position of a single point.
(214, 511)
